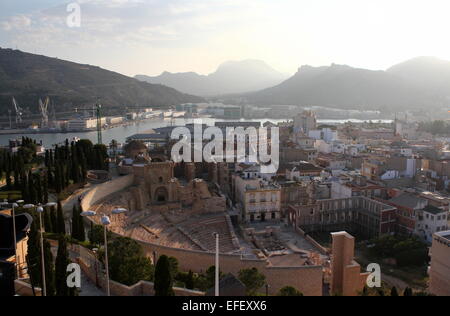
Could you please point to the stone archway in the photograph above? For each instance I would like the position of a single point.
(161, 195)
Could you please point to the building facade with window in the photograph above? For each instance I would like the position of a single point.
(258, 200)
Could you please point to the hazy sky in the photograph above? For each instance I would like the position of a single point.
(151, 36)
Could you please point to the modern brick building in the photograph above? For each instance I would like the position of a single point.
(359, 215)
(440, 264)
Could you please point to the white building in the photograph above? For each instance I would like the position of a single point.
(259, 200)
(326, 134)
(114, 120)
(430, 221)
(84, 124)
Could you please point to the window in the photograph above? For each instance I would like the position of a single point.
(263, 198)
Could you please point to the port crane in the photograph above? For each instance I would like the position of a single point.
(19, 111)
(43, 107)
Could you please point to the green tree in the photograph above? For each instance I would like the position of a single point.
(47, 217)
(408, 292)
(163, 278)
(128, 263)
(394, 291)
(61, 274)
(61, 225)
(252, 279)
(96, 234)
(34, 255)
(189, 282)
(49, 269)
(211, 276)
(78, 231)
(289, 291)
(174, 266)
(75, 223)
(53, 219)
(81, 229)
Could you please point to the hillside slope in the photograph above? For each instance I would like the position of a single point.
(29, 77)
(342, 86)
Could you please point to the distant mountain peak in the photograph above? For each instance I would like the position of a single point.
(418, 83)
(230, 77)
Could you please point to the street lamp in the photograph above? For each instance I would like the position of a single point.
(267, 289)
(40, 209)
(105, 221)
(14, 206)
(217, 290)
(95, 251)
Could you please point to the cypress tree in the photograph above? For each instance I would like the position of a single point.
(25, 191)
(8, 172)
(8, 179)
(81, 230)
(39, 189)
(190, 280)
(394, 291)
(47, 159)
(32, 189)
(45, 190)
(47, 217)
(67, 173)
(83, 167)
(54, 220)
(408, 292)
(58, 182)
(163, 278)
(49, 269)
(34, 256)
(61, 263)
(61, 226)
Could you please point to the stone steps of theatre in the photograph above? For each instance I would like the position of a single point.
(202, 232)
(171, 239)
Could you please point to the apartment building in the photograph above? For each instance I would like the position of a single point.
(259, 200)
(439, 270)
(431, 220)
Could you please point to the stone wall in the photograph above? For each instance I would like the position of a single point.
(24, 289)
(307, 279)
(91, 268)
(101, 191)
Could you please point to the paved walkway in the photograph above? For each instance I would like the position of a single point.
(88, 288)
(393, 281)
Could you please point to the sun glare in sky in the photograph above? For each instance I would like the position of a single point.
(152, 36)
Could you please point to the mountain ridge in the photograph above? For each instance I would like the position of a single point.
(343, 86)
(230, 77)
(28, 77)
